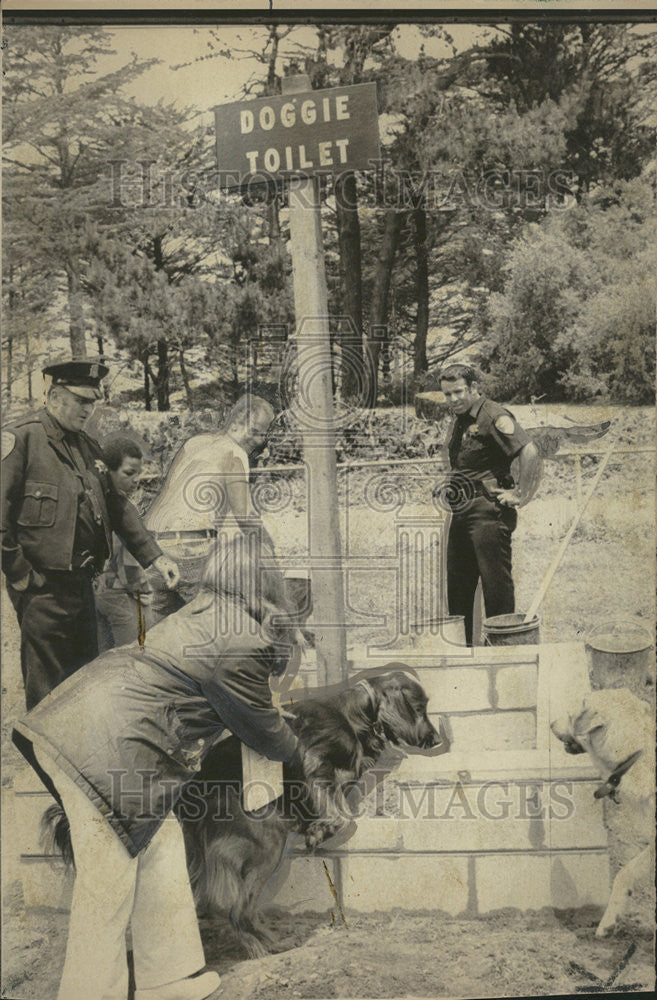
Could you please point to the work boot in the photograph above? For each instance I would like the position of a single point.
(191, 988)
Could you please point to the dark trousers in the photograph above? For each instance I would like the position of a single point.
(479, 545)
(58, 630)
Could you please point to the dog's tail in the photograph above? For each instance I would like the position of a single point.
(215, 869)
(56, 833)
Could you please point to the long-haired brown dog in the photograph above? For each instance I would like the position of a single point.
(232, 853)
(342, 732)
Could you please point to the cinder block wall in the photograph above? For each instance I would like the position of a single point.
(506, 819)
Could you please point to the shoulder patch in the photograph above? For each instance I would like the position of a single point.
(504, 424)
(8, 442)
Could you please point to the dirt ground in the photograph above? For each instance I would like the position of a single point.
(607, 573)
(393, 954)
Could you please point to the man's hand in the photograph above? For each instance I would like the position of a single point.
(168, 570)
(509, 498)
(301, 642)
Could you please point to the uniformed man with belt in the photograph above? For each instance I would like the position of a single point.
(59, 509)
(482, 495)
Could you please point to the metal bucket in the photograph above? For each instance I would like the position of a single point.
(511, 630)
(620, 655)
(448, 630)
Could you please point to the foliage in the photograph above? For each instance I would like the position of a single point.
(577, 317)
(487, 145)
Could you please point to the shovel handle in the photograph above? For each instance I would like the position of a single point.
(563, 545)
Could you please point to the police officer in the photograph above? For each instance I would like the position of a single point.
(59, 509)
(482, 495)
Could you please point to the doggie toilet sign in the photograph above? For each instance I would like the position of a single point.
(316, 131)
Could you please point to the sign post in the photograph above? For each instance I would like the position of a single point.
(298, 135)
(315, 396)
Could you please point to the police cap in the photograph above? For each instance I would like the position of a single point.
(80, 377)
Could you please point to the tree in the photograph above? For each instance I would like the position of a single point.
(59, 131)
(576, 319)
(606, 71)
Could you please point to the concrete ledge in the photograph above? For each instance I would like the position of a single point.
(483, 765)
(443, 655)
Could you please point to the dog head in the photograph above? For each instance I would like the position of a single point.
(578, 730)
(402, 712)
(612, 726)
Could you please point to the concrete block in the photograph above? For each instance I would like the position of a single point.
(46, 883)
(517, 686)
(27, 782)
(579, 879)
(27, 814)
(302, 883)
(563, 681)
(371, 833)
(494, 731)
(528, 882)
(576, 817)
(482, 817)
(459, 689)
(423, 881)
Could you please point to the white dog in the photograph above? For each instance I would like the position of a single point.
(615, 728)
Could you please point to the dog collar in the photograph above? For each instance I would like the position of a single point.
(613, 781)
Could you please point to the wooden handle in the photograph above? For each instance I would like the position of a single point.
(563, 545)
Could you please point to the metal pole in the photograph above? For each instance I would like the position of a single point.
(313, 408)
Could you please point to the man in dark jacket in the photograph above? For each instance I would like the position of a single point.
(118, 741)
(59, 510)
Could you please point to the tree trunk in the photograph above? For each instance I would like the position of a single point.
(10, 339)
(422, 290)
(76, 316)
(147, 386)
(392, 228)
(235, 372)
(185, 378)
(351, 341)
(10, 365)
(101, 347)
(163, 402)
(273, 218)
(28, 363)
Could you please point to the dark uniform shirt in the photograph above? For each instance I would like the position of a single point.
(484, 441)
(58, 502)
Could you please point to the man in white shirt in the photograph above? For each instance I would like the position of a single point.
(206, 493)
